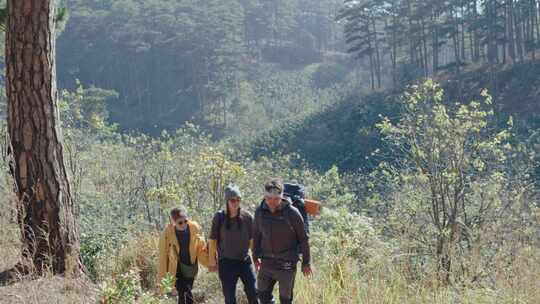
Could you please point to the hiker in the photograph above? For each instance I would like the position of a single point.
(230, 239)
(181, 247)
(278, 232)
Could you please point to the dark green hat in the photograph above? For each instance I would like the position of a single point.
(232, 191)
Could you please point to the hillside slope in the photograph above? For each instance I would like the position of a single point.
(345, 134)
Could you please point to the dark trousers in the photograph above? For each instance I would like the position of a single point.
(229, 273)
(273, 272)
(184, 287)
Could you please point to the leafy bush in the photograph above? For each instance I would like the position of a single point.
(141, 252)
(341, 238)
(333, 190)
(96, 250)
(329, 74)
(462, 189)
(124, 288)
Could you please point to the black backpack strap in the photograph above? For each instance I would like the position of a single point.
(221, 219)
(299, 204)
(287, 216)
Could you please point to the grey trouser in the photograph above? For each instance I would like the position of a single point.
(267, 278)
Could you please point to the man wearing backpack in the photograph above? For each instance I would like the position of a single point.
(278, 233)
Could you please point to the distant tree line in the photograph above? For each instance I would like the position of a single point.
(418, 38)
(173, 61)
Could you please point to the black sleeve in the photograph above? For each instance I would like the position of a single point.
(214, 232)
(301, 235)
(257, 236)
(250, 220)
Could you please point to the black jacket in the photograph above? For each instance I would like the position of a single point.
(279, 235)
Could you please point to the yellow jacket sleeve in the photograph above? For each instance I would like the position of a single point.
(212, 252)
(163, 257)
(202, 251)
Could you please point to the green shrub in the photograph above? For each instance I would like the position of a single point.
(340, 236)
(329, 74)
(141, 252)
(124, 288)
(96, 250)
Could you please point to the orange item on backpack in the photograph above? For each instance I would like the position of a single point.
(313, 207)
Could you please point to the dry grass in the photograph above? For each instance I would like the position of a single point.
(519, 286)
(48, 290)
(9, 237)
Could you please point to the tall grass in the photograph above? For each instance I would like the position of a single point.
(518, 284)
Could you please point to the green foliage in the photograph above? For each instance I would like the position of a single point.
(343, 134)
(178, 61)
(86, 109)
(414, 37)
(276, 97)
(141, 253)
(167, 283)
(95, 250)
(342, 234)
(124, 288)
(455, 181)
(209, 173)
(334, 190)
(3, 18)
(454, 185)
(327, 75)
(219, 172)
(166, 195)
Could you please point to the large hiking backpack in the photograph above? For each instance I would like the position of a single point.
(296, 193)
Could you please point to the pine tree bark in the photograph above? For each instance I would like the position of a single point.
(45, 207)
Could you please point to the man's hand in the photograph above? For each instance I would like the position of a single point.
(306, 270)
(174, 293)
(213, 268)
(257, 263)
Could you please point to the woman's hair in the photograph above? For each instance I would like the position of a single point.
(176, 213)
(228, 220)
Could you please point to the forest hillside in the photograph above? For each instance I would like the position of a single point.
(415, 123)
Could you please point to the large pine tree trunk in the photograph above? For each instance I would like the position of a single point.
(45, 213)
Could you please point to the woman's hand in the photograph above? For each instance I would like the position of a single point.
(257, 263)
(307, 271)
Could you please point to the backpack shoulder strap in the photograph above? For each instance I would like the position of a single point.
(221, 219)
(287, 213)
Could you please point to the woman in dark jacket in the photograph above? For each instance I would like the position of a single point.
(231, 238)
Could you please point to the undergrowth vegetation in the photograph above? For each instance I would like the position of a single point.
(455, 221)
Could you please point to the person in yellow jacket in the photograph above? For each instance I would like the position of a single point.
(181, 248)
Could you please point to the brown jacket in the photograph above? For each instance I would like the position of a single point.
(280, 235)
